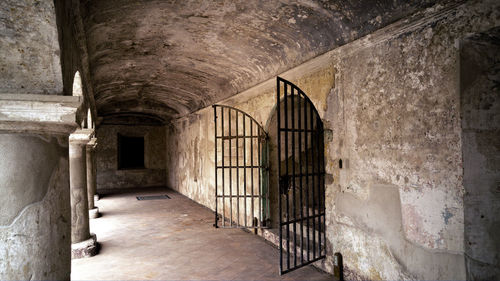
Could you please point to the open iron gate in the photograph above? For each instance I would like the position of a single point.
(301, 167)
(241, 170)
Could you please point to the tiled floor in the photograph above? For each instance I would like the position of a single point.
(174, 239)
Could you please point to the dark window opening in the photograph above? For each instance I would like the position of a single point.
(130, 152)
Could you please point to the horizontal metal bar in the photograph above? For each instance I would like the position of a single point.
(238, 196)
(240, 166)
(306, 175)
(303, 264)
(244, 227)
(296, 130)
(239, 137)
(300, 220)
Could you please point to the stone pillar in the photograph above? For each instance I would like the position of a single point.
(84, 244)
(91, 178)
(35, 211)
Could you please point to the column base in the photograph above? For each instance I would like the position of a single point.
(94, 213)
(87, 248)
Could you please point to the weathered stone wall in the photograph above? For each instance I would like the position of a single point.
(73, 55)
(108, 174)
(29, 51)
(35, 213)
(390, 103)
(480, 109)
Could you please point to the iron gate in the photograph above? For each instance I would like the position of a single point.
(241, 170)
(301, 178)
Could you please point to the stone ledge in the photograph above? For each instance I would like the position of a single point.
(38, 113)
(81, 136)
(84, 249)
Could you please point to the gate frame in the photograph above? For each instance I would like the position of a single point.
(318, 173)
(262, 166)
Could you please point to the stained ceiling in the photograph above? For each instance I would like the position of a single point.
(165, 59)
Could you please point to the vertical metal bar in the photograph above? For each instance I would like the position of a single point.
(313, 182)
(294, 196)
(288, 179)
(230, 171)
(318, 167)
(253, 174)
(324, 191)
(307, 134)
(278, 129)
(216, 171)
(266, 168)
(223, 170)
(237, 170)
(245, 168)
(301, 172)
(259, 146)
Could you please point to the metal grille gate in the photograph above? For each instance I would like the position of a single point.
(241, 170)
(301, 178)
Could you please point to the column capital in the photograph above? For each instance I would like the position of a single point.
(92, 144)
(53, 114)
(81, 136)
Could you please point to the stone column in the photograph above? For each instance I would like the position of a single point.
(91, 178)
(35, 211)
(84, 243)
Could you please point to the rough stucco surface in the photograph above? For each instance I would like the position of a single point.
(170, 58)
(35, 243)
(480, 105)
(391, 107)
(108, 175)
(29, 50)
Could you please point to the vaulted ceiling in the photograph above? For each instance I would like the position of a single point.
(168, 58)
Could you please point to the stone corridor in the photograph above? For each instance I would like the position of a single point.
(360, 137)
(173, 239)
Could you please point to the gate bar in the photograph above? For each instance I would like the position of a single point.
(293, 180)
(318, 140)
(307, 178)
(286, 166)
(215, 133)
(245, 169)
(278, 106)
(253, 174)
(259, 151)
(300, 182)
(230, 173)
(237, 173)
(223, 176)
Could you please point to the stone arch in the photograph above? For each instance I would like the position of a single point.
(77, 85)
(90, 123)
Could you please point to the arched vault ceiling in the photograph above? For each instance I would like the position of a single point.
(170, 58)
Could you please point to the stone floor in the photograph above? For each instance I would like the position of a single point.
(174, 239)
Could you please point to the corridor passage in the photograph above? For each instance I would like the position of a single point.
(173, 239)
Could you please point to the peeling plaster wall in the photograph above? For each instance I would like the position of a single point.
(190, 157)
(29, 51)
(391, 107)
(35, 214)
(480, 106)
(108, 175)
